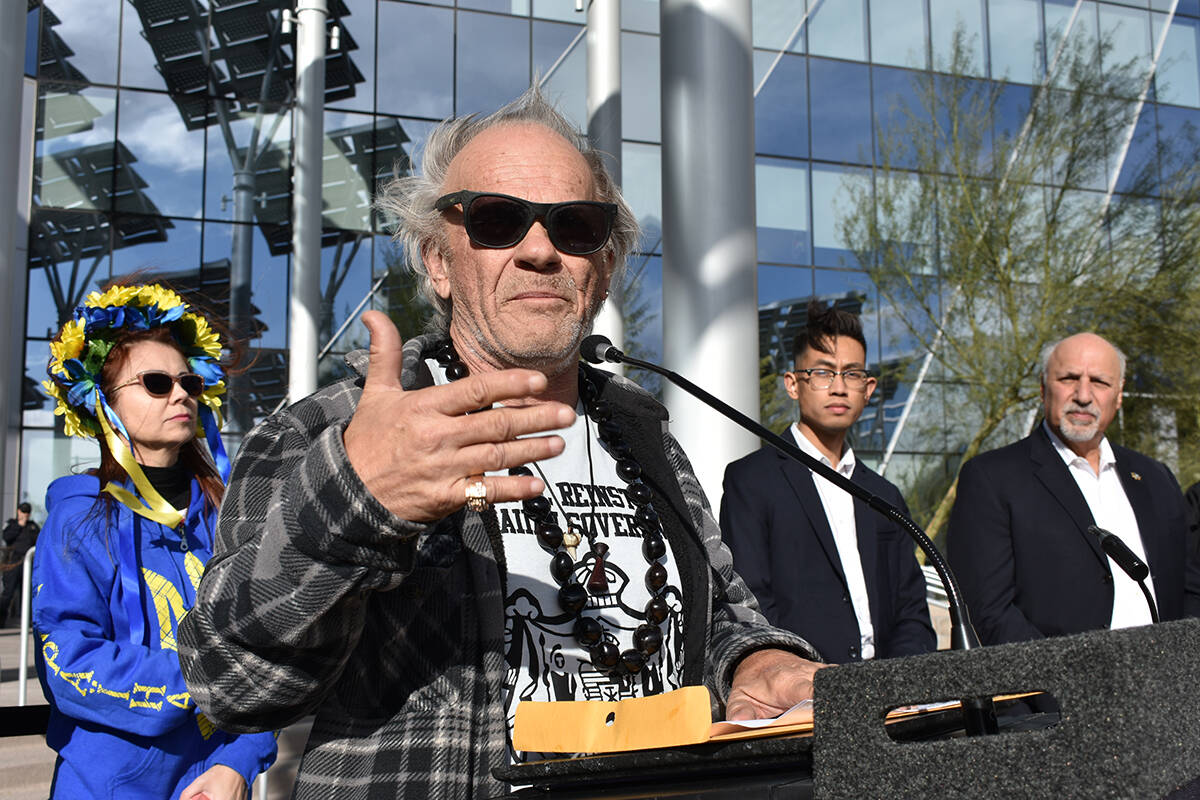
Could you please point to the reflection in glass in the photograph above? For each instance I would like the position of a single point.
(833, 190)
(774, 22)
(76, 153)
(641, 183)
(898, 33)
(781, 203)
(68, 255)
(57, 455)
(781, 109)
(360, 24)
(1177, 79)
(1127, 30)
(640, 88)
(1013, 26)
(841, 132)
(493, 61)
(642, 307)
(175, 255)
(167, 159)
(560, 57)
(416, 79)
(838, 29)
(643, 15)
(79, 39)
(947, 19)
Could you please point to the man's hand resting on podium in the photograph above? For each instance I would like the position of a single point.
(767, 683)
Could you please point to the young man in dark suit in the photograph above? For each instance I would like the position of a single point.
(1018, 538)
(822, 563)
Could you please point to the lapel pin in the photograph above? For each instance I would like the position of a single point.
(1135, 475)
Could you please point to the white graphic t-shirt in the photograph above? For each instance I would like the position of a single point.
(545, 662)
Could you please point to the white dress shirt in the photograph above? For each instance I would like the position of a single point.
(1106, 498)
(839, 510)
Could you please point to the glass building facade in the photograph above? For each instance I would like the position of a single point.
(163, 136)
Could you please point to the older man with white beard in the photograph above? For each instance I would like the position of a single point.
(1018, 538)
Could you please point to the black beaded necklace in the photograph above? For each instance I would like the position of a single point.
(572, 596)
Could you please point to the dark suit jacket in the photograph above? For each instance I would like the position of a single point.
(1027, 566)
(773, 521)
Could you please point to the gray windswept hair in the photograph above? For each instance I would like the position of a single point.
(1049, 349)
(407, 200)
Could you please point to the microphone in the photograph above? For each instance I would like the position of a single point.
(598, 348)
(979, 712)
(1127, 560)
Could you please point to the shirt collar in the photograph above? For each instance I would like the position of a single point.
(845, 466)
(1107, 457)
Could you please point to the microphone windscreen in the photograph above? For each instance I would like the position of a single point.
(595, 348)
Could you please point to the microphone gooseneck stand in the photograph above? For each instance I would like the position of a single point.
(979, 714)
(1128, 561)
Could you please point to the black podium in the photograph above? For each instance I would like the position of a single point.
(1128, 727)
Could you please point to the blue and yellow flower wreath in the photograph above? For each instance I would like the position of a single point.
(77, 357)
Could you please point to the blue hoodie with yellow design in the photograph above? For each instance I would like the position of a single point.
(109, 590)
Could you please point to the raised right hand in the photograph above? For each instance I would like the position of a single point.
(416, 451)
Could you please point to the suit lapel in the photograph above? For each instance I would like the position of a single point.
(1056, 477)
(801, 480)
(1138, 493)
(866, 524)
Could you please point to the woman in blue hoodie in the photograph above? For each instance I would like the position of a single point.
(122, 551)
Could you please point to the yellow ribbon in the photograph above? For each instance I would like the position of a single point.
(155, 507)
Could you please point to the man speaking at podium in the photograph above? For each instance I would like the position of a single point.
(1018, 539)
(476, 519)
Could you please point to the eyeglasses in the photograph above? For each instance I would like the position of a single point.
(576, 227)
(160, 384)
(819, 378)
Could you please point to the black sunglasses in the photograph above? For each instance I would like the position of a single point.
(576, 227)
(159, 384)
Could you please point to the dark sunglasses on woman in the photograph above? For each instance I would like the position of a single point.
(496, 221)
(159, 384)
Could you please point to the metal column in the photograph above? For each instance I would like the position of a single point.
(710, 280)
(13, 206)
(604, 124)
(305, 301)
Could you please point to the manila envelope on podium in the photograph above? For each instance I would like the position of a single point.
(670, 719)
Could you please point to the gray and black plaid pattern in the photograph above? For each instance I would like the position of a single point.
(319, 600)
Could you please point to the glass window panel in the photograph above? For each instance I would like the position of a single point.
(1178, 78)
(643, 317)
(838, 29)
(1139, 172)
(1082, 30)
(781, 109)
(345, 282)
(515, 7)
(139, 67)
(56, 455)
(949, 17)
(1128, 30)
(898, 108)
(33, 24)
(557, 10)
(82, 46)
(833, 190)
(641, 179)
(643, 15)
(359, 26)
(1013, 26)
(783, 285)
(162, 169)
(781, 202)
(898, 33)
(268, 277)
(775, 23)
(399, 297)
(262, 192)
(566, 86)
(640, 88)
(349, 168)
(155, 246)
(841, 91)
(68, 254)
(420, 68)
(1189, 7)
(38, 406)
(75, 149)
(493, 61)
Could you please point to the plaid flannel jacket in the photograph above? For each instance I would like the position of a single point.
(319, 600)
